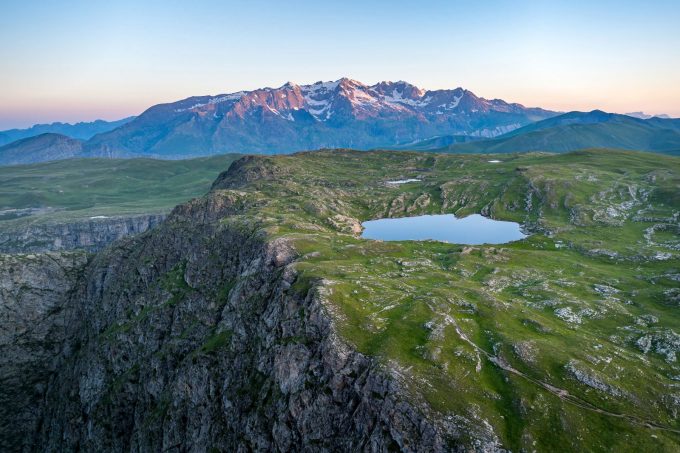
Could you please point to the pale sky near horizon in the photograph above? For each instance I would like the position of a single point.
(82, 60)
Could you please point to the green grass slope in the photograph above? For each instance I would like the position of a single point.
(72, 189)
(564, 341)
(579, 130)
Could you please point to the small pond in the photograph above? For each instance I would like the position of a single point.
(471, 230)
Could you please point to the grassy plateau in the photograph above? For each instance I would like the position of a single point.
(566, 340)
(68, 190)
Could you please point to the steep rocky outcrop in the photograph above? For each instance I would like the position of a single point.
(90, 234)
(33, 313)
(199, 336)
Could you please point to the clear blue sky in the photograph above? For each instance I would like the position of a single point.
(81, 60)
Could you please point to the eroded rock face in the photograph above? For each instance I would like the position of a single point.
(199, 335)
(91, 234)
(33, 313)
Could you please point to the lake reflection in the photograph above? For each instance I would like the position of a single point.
(472, 230)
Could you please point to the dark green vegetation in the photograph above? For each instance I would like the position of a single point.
(573, 131)
(565, 341)
(75, 189)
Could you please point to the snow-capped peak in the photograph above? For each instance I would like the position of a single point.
(347, 98)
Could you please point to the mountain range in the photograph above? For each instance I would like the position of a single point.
(341, 114)
(80, 131)
(572, 131)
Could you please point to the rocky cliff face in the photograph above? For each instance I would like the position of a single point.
(33, 312)
(91, 234)
(198, 336)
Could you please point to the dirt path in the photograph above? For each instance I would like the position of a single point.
(563, 394)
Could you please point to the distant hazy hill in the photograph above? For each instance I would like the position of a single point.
(41, 148)
(82, 131)
(646, 116)
(578, 130)
(344, 113)
(437, 142)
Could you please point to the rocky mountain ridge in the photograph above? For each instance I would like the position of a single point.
(294, 117)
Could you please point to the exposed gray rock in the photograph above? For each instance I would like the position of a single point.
(199, 336)
(33, 290)
(673, 295)
(591, 379)
(90, 234)
(567, 314)
(662, 341)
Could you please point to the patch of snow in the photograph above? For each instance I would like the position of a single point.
(195, 106)
(215, 100)
(397, 97)
(288, 117)
(456, 101)
(494, 161)
(314, 98)
(227, 97)
(360, 97)
(322, 86)
(99, 217)
(495, 132)
(403, 181)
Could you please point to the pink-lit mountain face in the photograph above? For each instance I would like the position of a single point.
(344, 113)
